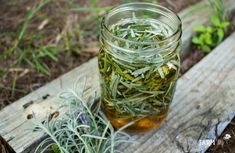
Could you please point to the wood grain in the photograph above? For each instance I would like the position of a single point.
(15, 119)
(14, 125)
(203, 105)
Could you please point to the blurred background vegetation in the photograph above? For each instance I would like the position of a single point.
(43, 39)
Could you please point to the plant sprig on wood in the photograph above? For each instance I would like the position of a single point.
(83, 129)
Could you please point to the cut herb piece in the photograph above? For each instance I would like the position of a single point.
(143, 62)
(150, 80)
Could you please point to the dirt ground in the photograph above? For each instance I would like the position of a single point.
(225, 143)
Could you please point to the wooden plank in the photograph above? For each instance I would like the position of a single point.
(14, 125)
(13, 119)
(203, 105)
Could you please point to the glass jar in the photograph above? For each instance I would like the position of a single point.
(138, 64)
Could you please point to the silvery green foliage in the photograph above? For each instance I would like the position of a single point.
(80, 130)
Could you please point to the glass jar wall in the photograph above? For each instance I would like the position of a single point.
(138, 64)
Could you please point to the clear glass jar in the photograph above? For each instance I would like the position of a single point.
(138, 64)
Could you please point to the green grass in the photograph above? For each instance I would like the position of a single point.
(27, 20)
(30, 48)
(24, 55)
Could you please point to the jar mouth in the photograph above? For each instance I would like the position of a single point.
(151, 7)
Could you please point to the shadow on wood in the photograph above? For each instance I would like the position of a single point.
(5, 147)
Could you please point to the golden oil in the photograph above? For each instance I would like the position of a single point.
(140, 125)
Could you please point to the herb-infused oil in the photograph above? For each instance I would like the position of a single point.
(139, 64)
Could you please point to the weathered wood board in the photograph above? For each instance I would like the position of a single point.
(204, 103)
(14, 124)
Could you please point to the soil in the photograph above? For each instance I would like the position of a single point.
(29, 79)
(225, 143)
(193, 58)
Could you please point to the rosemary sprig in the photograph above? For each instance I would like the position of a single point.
(141, 81)
(81, 130)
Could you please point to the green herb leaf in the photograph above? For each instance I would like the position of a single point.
(205, 48)
(196, 40)
(209, 29)
(208, 39)
(220, 34)
(141, 71)
(55, 148)
(215, 20)
(224, 24)
(200, 28)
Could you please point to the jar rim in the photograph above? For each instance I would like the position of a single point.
(128, 5)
